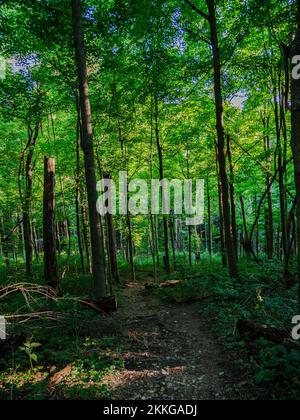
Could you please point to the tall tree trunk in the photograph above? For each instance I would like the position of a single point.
(189, 227)
(257, 228)
(87, 147)
(190, 245)
(232, 195)
(86, 237)
(161, 175)
(269, 213)
(209, 218)
(295, 124)
(155, 255)
(173, 241)
(281, 172)
(50, 258)
(229, 239)
(35, 242)
(246, 240)
(77, 196)
(198, 242)
(67, 225)
(28, 242)
(111, 242)
(288, 278)
(130, 247)
(222, 240)
(153, 246)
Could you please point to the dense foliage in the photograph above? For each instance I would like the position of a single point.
(162, 76)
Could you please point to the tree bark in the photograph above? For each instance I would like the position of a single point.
(155, 256)
(35, 242)
(269, 215)
(246, 240)
(232, 195)
(130, 247)
(77, 197)
(112, 247)
(173, 241)
(161, 175)
(87, 147)
(209, 219)
(27, 232)
(220, 198)
(281, 172)
(229, 239)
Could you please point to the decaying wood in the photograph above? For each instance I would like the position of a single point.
(60, 376)
(169, 283)
(249, 330)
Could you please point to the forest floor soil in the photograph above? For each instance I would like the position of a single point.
(171, 355)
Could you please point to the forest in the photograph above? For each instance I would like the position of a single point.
(197, 296)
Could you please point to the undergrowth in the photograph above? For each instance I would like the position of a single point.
(76, 344)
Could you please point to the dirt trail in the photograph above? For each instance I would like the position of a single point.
(172, 355)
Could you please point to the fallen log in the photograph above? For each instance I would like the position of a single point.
(165, 284)
(60, 376)
(249, 330)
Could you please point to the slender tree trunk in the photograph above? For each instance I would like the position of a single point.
(209, 218)
(28, 241)
(198, 244)
(190, 245)
(229, 239)
(232, 195)
(173, 242)
(130, 247)
(50, 258)
(288, 278)
(156, 228)
(35, 242)
(111, 242)
(67, 225)
(86, 237)
(153, 245)
(222, 240)
(269, 215)
(189, 227)
(155, 255)
(281, 172)
(257, 228)
(87, 147)
(161, 174)
(23, 241)
(77, 197)
(246, 241)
